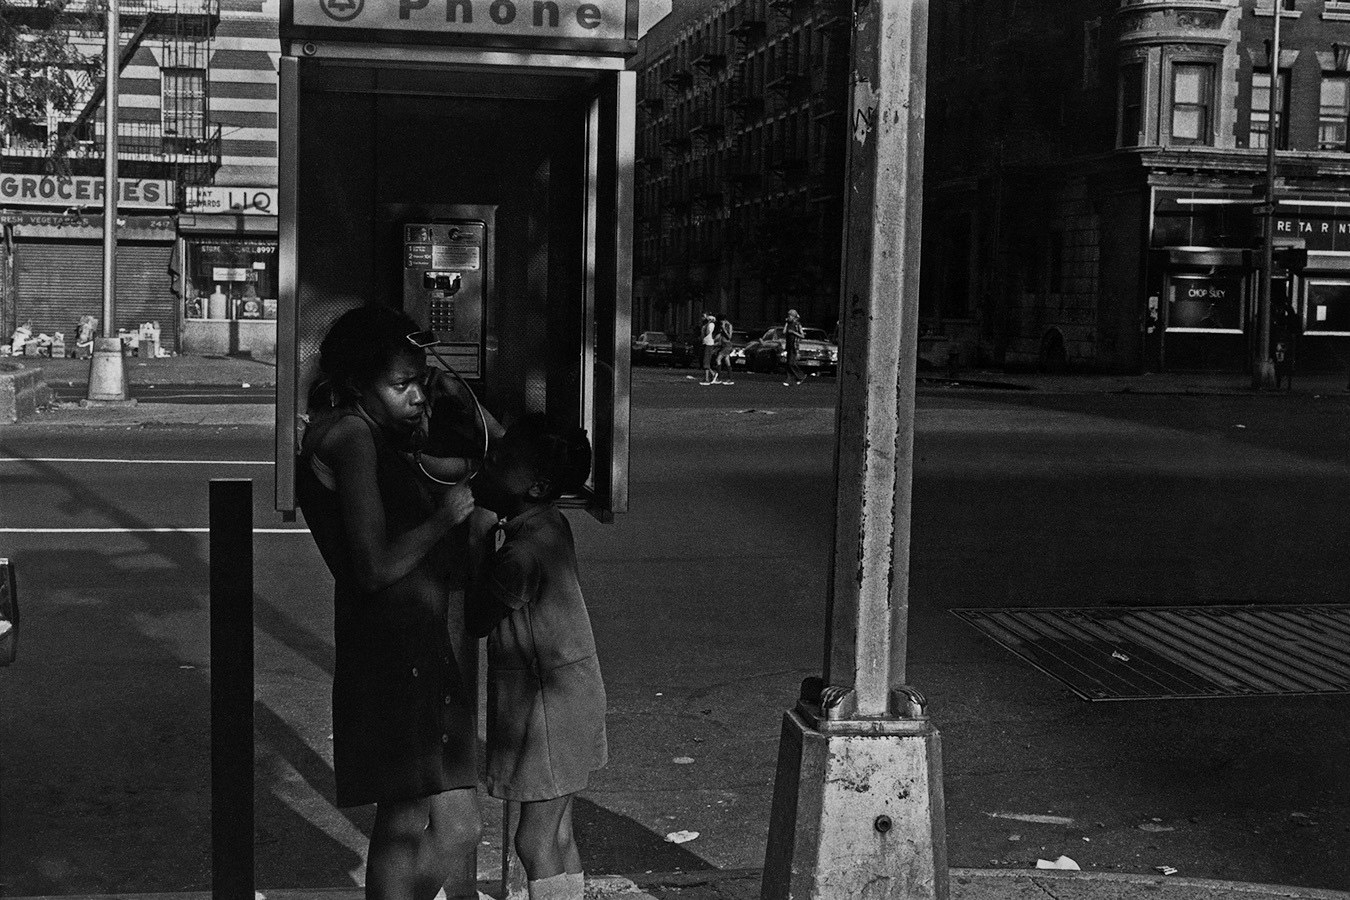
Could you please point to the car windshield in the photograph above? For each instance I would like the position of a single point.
(814, 334)
(650, 336)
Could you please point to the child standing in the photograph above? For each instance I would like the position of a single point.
(546, 700)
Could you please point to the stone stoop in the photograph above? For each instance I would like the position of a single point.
(22, 391)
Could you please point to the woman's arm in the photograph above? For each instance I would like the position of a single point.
(377, 560)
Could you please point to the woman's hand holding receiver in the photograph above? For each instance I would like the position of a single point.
(456, 504)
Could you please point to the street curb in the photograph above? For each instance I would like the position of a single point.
(1231, 887)
(714, 876)
(598, 887)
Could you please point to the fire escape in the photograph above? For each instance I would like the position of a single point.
(177, 141)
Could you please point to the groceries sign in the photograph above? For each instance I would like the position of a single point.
(605, 20)
(83, 190)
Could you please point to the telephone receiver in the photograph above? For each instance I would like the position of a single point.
(448, 434)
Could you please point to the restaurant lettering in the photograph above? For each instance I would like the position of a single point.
(81, 190)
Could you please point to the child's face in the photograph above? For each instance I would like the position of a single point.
(508, 481)
(395, 399)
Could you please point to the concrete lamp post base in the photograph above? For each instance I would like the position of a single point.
(107, 375)
(858, 810)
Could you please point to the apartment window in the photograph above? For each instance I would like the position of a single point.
(1260, 130)
(1092, 51)
(1132, 105)
(1192, 100)
(1334, 113)
(183, 103)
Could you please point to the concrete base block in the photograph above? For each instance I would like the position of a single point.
(107, 370)
(22, 391)
(857, 815)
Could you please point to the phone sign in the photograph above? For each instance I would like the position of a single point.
(551, 19)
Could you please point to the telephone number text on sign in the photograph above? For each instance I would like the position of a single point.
(603, 19)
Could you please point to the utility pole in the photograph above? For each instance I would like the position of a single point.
(1263, 367)
(858, 806)
(107, 369)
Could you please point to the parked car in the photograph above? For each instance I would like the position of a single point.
(815, 352)
(739, 340)
(652, 347)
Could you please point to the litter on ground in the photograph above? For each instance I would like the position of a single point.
(1031, 817)
(681, 837)
(1062, 863)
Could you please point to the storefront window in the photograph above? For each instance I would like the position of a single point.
(1328, 307)
(1204, 303)
(232, 279)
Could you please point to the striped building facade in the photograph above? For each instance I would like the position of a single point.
(197, 148)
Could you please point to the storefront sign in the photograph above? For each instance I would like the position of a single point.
(83, 191)
(221, 273)
(551, 19)
(86, 227)
(246, 201)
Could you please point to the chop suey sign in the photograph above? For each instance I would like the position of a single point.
(591, 20)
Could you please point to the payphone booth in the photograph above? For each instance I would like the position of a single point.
(469, 162)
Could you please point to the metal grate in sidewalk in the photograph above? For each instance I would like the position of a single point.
(1173, 652)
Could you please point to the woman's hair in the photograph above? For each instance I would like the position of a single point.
(559, 454)
(357, 349)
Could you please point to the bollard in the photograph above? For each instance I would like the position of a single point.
(231, 568)
(9, 613)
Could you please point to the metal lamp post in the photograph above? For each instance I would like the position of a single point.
(107, 370)
(858, 806)
(1263, 369)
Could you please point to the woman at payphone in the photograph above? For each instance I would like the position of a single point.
(404, 736)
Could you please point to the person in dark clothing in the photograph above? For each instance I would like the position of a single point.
(792, 335)
(1285, 329)
(404, 699)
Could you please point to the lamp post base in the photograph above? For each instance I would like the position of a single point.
(1263, 378)
(857, 811)
(107, 374)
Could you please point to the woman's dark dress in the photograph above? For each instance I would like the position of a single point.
(403, 708)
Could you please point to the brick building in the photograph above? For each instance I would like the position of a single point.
(1094, 175)
(740, 147)
(196, 137)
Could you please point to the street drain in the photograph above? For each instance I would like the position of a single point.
(1175, 652)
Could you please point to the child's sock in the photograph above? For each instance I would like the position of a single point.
(555, 887)
(576, 885)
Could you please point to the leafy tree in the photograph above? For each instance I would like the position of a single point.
(45, 66)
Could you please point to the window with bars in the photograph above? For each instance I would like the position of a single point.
(183, 104)
(1192, 103)
(1334, 113)
(1260, 130)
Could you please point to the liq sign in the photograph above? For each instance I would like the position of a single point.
(500, 22)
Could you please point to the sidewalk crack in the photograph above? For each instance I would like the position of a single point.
(1049, 893)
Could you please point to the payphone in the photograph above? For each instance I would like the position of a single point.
(475, 173)
(446, 265)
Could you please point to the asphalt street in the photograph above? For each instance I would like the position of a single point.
(707, 604)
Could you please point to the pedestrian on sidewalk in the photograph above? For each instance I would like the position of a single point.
(792, 336)
(708, 342)
(722, 341)
(403, 716)
(546, 699)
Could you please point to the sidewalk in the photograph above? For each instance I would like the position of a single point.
(966, 884)
(68, 376)
(1194, 383)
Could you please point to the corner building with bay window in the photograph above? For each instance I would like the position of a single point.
(1095, 177)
